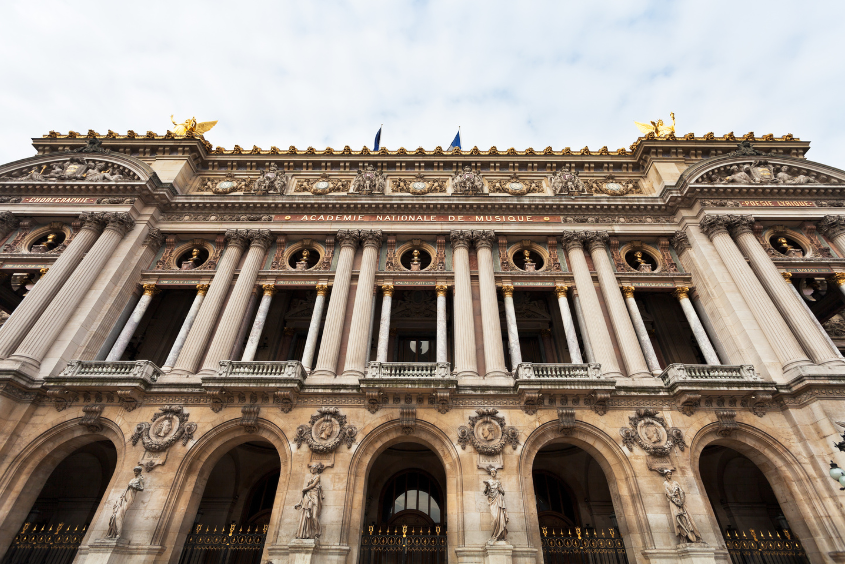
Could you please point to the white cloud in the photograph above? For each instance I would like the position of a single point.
(510, 74)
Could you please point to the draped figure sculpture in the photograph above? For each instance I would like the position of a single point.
(121, 506)
(311, 504)
(496, 499)
(684, 527)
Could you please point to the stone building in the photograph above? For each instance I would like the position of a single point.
(421, 356)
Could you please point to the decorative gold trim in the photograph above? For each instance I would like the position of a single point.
(322, 289)
(787, 276)
(628, 291)
(202, 289)
(150, 290)
(560, 291)
(681, 292)
(269, 289)
(387, 289)
(507, 290)
(441, 289)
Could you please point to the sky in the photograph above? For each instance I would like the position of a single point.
(510, 74)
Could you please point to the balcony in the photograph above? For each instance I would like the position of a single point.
(97, 373)
(708, 373)
(235, 374)
(409, 375)
(544, 376)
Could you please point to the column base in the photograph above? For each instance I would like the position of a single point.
(329, 378)
(22, 364)
(699, 553)
(498, 378)
(114, 551)
(499, 552)
(469, 378)
(301, 551)
(796, 370)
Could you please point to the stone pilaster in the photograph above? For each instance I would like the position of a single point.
(186, 327)
(132, 323)
(314, 327)
(384, 325)
(513, 333)
(568, 325)
(833, 227)
(597, 332)
(227, 330)
(626, 336)
(494, 354)
(639, 327)
(197, 339)
(258, 324)
(333, 330)
(466, 364)
(356, 349)
(37, 300)
(442, 326)
(710, 356)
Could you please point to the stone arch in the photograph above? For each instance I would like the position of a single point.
(188, 483)
(804, 506)
(621, 480)
(143, 170)
(26, 474)
(377, 440)
(694, 174)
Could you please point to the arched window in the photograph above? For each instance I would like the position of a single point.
(414, 497)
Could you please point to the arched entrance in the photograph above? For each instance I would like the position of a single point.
(747, 509)
(575, 508)
(234, 513)
(405, 511)
(65, 507)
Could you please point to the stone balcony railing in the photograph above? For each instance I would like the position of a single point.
(234, 374)
(708, 374)
(409, 375)
(543, 376)
(84, 373)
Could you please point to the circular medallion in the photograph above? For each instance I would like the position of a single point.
(488, 431)
(225, 185)
(613, 186)
(418, 186)
(324, 430)
(651, 433)
(516, 187)
(321, 184)
(164, 427)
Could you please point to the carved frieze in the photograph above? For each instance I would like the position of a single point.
(611, 186)
(368, 181)
(271, 181)
(567, 182)
(325, 431)
(467, 183)
(73, 169)
(419, 185)
(323, 185)
(515, 186)
(487, 433)
(650, 432)
(168, 425)
(227, 185)
(761, 171)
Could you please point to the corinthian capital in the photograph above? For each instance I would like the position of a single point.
(154, 238)
(460, 239)
(259, 238)
(371, 238)
(713, 225)
(95, 221)
(572, 240)
(739, 224)
(596, 239)
(483, 239)
(121, 222)
(680, 241)
(832, 225)
(348, 237)
(236, 238)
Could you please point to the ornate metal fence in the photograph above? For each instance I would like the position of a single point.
(593, 547)
(45, 544)
(757, 547)
(403, 546)
(235, 544)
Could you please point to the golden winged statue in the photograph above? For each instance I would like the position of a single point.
(191, 125)
(659, 129)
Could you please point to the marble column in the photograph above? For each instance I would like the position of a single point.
(372, 322)
(568, 326)
(195, 343)
(186, 327)
(356, 349)
(314, 327)
(721, 353)
(132, 323)
(258, 324)
(246, 325)
(710, 356)
(52, 322)
(442, 326)
(833, 227)
(513, 333)
(384, 325)
(582, 326)
(639, 327)
(230, 322)
(796, 315)
(37, 300)
(466, 364)
(626, 336)
(491, 328)
(775, 329)
(592, 316)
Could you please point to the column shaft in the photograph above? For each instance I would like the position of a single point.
(442, 327)
(582, 325)
(494, 354)
(372, 323)
(639, 327)
(568, 326)
(710, 356)
(37, 300)
(466, 364)
(314, 327)
(384, 325)
(186, 327)
(132, 323)
(356, 349)
(247, 320)
(258, 324)
(712, 336)
(513, 333)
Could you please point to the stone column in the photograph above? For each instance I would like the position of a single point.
(37, 300)
(491, 328)
(568, 326)
(771, 323)
(132, 323)
(466, 364)
(314, 327)
(796, 315)
(639, 327)
(336, 313)
(372, 322)
(356, 349)
(513, 334)
(442, 327)
(52, 322)
(384, 326)
(582, 325)
(258, 324)
(723, 355)
(597, 332)
(710, 356)
(629, 345)
(227, 330)
(186, 327)
(833, 227)
(197, 339)
(246, 324)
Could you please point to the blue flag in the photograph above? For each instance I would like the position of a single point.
(377, 142)
(456, 142)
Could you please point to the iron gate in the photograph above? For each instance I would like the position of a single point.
(45, 545)
(403, 547)
(232, 545)
(565, 548)
(758, 548)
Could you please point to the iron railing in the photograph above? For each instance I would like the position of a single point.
(45, 544)
(235, 544)
(757, 547)
(587, 547)
(403, 546)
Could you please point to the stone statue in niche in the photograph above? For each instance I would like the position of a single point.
(495, 493)
(311, 504)
(121, 506)
(685, 528)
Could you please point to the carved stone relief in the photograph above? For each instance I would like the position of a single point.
(567, 182)
(515, 186)
(322, 185)
(74, 169)
(419, 185)
(169, 424)
(487, 433)
(325, 431)
(467, 182)
(368, 181)
(610, 186)
(649, 431)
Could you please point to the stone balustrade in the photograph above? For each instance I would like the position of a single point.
(80, 372)
(236, 374)
(679, 372)
(537, 370)
(409, 374)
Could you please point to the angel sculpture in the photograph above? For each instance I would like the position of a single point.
(191, 126)
(659, 129)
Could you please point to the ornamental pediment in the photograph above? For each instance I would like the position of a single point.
(72, 168)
